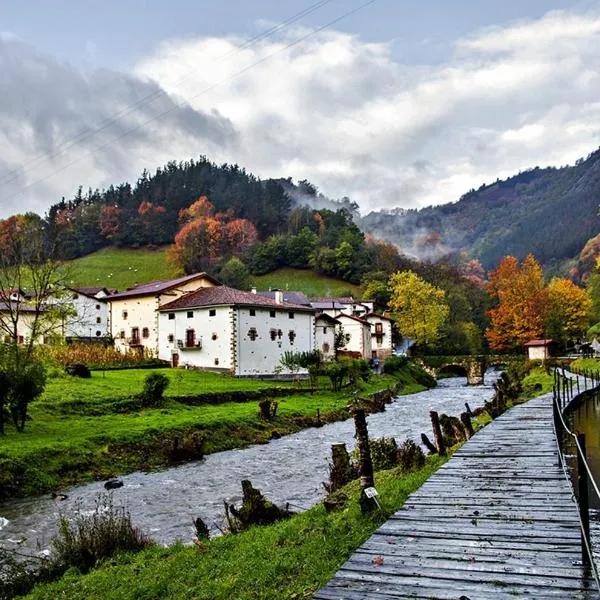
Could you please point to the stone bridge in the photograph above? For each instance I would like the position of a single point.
(473, 366)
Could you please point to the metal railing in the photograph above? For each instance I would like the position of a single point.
(568, 393)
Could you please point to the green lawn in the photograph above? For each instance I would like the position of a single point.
(62, 447)
(120, 267)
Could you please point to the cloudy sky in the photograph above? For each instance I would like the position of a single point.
(393, 103)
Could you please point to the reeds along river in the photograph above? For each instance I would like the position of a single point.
(291, 469)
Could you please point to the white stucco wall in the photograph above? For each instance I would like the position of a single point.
(214, 353)
(85, 322)
(360, 336)
(538, 352)
(383, 349)
(325, 334)
(262, 356)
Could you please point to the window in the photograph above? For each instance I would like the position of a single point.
(273, 334)
(135, 336)
(379, 339)
(324, 330)
(292, 335)
(325, 348)
(97, 307)
(291, 315)
(279, 333)
(212, 312)
(171, 338)
(190, 314)
(20, 339)
(252, 333)
(216, 361)
(379, 328)
(252, 312)
(125, 315)
(122, 334)
(190, 338)
(145, 332)
(213, 336)
(171, 316)
(272, 313)
(98, 319)
(98, 333)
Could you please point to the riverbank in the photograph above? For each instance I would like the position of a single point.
(78, 432)
(290, 559)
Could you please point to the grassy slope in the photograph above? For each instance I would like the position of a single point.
(290, 559)
(60, 449)
(122, 267)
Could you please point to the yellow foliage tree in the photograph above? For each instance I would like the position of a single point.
(420, 309)
(569, 308)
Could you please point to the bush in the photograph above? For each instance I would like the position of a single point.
(393, 364)
(410, 456)
(78, 370)
(154, 386)
(90, 538)
(384, 453)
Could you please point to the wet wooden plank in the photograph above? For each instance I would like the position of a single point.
(497, 521)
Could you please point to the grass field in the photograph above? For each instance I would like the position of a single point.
(120, 267)
(64, 443)
(123, 267)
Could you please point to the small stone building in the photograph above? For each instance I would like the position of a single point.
(539, 349)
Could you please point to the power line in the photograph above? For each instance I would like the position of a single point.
(13, 174)
(205, 90)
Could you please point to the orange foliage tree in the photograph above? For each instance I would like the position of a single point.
(205, 237)
(520, 313)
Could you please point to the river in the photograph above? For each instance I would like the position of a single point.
(291, 469)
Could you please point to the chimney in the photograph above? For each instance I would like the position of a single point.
(278, 296)
(253, 290)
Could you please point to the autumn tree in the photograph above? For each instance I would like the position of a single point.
(30, 294)
(520, 312)
(420, 309)
(568, 311)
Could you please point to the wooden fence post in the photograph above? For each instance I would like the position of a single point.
(365, 464)
(584, 509)
(438, 439)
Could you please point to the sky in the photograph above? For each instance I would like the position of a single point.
(393, 103)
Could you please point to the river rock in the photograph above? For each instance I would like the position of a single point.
(113, 484)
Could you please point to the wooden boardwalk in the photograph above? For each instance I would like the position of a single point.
(496, 521)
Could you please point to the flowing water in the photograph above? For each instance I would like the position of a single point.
(291, 469)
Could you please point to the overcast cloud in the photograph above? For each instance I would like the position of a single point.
(345, 114)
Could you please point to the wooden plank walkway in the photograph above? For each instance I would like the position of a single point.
(496, 521)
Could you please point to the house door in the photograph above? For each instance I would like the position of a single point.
(175, 360)
(135, 336)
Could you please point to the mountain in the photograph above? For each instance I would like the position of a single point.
(550, 212)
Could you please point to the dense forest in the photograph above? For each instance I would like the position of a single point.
(550, 212)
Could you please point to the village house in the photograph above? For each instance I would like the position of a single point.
(358, 335)
(24, 315)
(346, 305)
(90, 318)
(133, 313)
(539, 349)
(325, 332)
(243, 333)
(381, 335)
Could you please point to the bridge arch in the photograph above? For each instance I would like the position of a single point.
(473, 366)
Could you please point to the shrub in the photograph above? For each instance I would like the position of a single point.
(410, 456)
(336, 371)
(154, 386)
(78, 370)
(87, 540)
(393, 364)
(384, 453)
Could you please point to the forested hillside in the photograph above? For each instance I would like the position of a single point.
(549, 212)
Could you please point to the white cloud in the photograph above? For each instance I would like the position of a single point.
(345, 114)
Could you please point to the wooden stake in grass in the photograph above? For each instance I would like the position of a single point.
(438, 439)
(365, 464)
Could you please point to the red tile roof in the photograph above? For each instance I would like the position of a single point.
(538, 343)
(157, 287)
(224, 295)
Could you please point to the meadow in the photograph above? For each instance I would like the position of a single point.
(85, 429)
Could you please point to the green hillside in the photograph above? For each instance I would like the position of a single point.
(123, 267)
(120, 267)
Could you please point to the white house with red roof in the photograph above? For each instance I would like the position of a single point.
(358, 335)
(326, 328)
(239, 332)
(134, 312)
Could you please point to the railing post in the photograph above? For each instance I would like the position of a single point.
(584, 509)
(557, 428)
